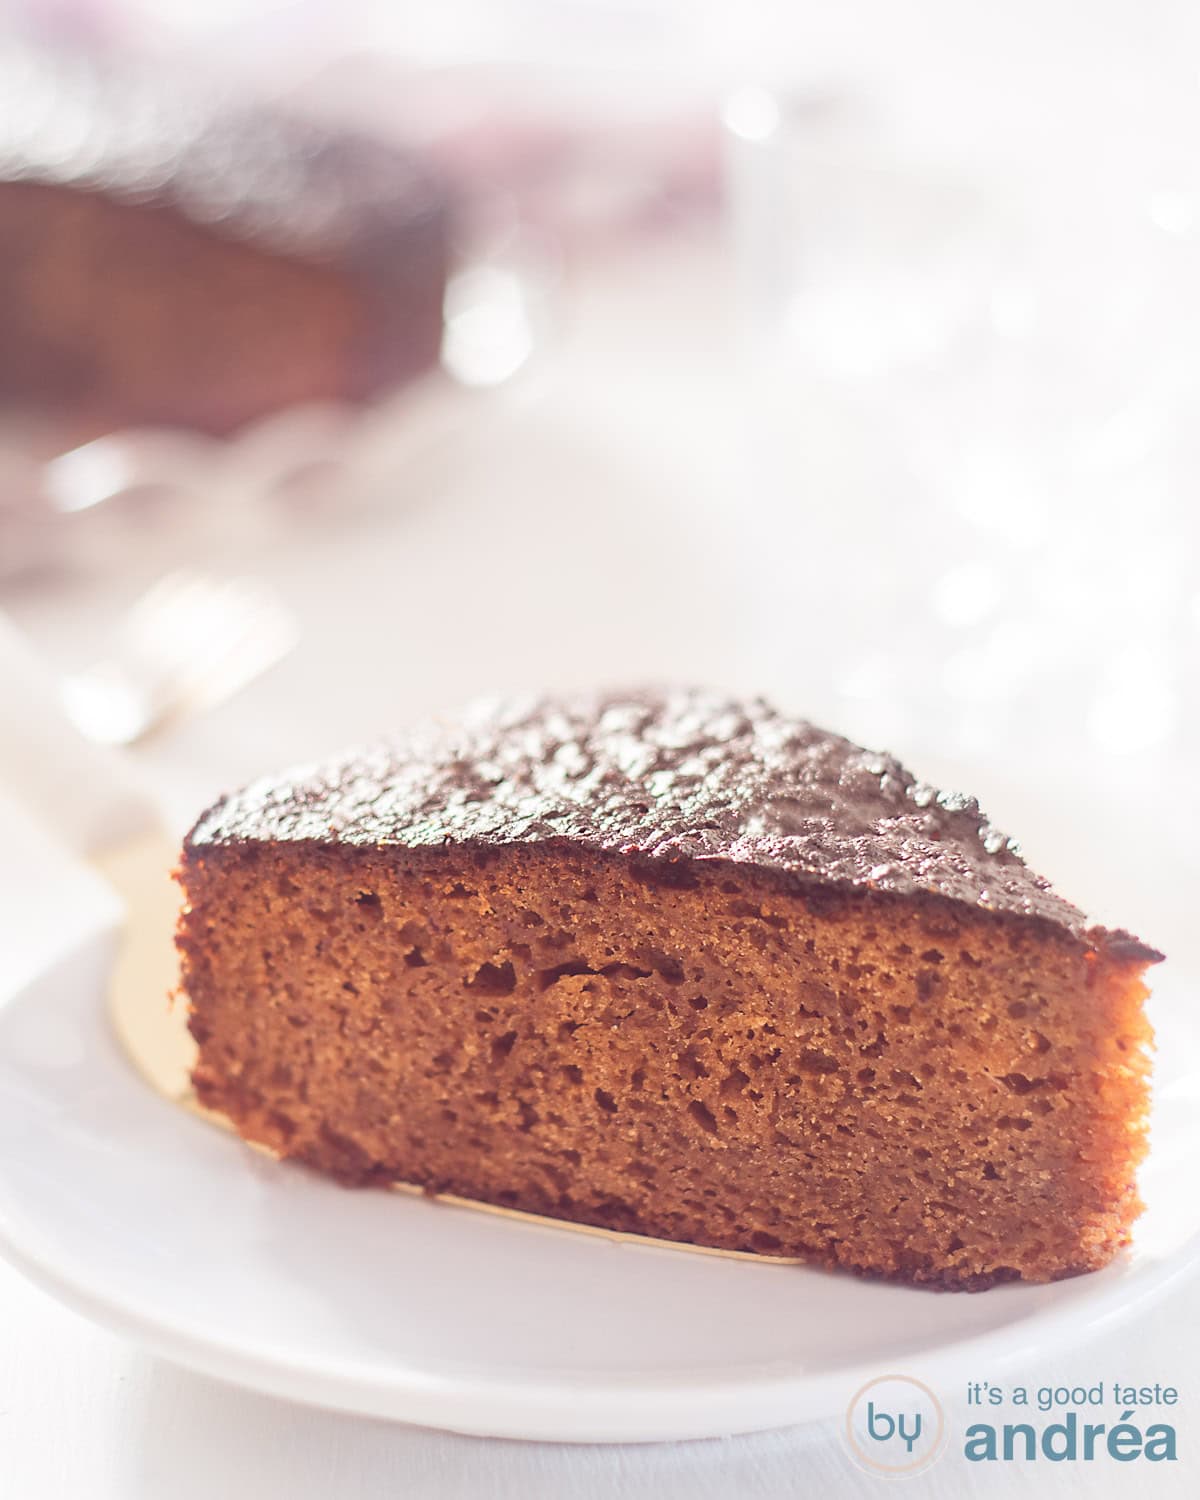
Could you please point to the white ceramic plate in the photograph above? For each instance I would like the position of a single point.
(160, 1226)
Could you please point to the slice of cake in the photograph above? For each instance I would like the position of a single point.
(675, 965)
(171, 256)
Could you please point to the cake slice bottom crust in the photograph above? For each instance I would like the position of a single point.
(904, 1088)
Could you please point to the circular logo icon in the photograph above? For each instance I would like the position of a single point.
(895, 1426)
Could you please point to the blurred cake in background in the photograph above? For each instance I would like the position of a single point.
(169, 258)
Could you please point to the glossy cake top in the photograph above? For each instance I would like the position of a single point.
(111, 126)
(667, 776)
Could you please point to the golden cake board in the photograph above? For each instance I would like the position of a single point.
(150, 1019)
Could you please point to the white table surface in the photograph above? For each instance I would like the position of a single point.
(536, 553)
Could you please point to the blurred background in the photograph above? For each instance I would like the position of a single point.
(359, 358)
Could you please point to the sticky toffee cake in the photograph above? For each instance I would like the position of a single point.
(676, 965)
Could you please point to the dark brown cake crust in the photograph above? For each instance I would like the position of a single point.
(671, 778)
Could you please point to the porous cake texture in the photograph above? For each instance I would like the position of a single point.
(667, 963)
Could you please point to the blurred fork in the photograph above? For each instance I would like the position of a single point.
(188, 643)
